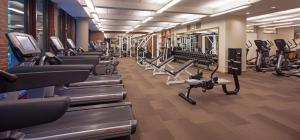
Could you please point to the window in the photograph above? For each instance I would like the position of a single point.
(40, 24)
(16, 18)
(16, 23)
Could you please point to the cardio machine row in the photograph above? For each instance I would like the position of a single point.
(280, 62)
(70, 97)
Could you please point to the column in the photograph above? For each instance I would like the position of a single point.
(82, 33)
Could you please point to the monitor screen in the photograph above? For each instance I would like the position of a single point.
(57, 43)
(71, 43)
(26, 43)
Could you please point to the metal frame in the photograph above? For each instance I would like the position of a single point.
(176, 79)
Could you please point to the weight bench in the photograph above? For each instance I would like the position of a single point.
(174, 74)
(150, 62)
(160, 68)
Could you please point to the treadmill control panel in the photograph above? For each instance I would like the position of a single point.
(25, 43)
(71, 43)
(57, 43)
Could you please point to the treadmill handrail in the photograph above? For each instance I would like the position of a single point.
(31, 80)
(15, 114)
(45, 68)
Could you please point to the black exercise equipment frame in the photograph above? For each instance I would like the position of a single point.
(209, 84)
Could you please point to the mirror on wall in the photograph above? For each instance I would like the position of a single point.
(204, 41)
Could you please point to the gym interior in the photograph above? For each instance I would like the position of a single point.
(150, 69)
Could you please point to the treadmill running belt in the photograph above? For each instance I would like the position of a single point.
(90, 95)
(84, 124)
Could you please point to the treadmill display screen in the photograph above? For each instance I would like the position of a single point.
(26, 43)
(71, 43)
(57, 44)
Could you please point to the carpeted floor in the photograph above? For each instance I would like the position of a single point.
(267, 108)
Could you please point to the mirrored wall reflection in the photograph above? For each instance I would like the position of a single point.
(205, 41)
(16, 18)
(16, 23)
(40, 4)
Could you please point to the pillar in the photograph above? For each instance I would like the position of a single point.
(82, 33)
(235, 37)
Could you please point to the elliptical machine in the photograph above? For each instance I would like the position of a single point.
(283, 63)
(263, 61)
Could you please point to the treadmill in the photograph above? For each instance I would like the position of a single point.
(51, 118)
(25, 50)
(57, 46)
(103, 67)
(103, 58)
(49, 57)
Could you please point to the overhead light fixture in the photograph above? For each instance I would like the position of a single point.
(273, 7)
(275, 18)
(272, 25)
(287, 20)
(136, 26)
(94, 21)
(194, 20)
(257, 24)
(147, 19)
(167, 6)
(99, 24)
(171, 27)
(89, 4)
(287, 26)
(286, 12)
(16, 10)
(248, 13)
(230, 10)
(95, 16)
(102, 31)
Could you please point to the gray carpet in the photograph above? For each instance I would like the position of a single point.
(267, 108)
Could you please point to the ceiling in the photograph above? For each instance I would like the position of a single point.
(124, 15)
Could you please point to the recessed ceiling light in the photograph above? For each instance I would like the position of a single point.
(136, 26)
(272, 25)
(276, 14)
(191, 21)
(147, 19)
(167, 6)
(231, 10)
(89, 4)
(96, 18)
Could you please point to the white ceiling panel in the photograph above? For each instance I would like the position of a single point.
(125, 14)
